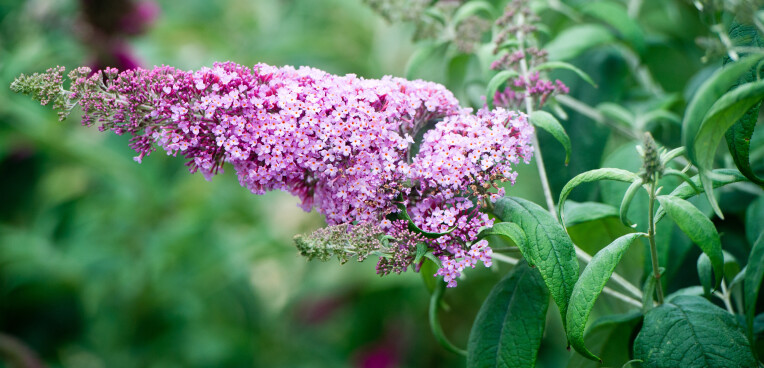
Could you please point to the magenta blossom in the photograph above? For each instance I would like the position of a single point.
(344, 145)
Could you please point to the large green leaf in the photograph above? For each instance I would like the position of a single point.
(546, 121)
(575, 40)
(512, 232)
(591, 176)
(699, 229)
(615, 15)
(698, 110)
(690, 332)
(609, 337)
(588, 288)
(508, 328)
(549, 247)
(754, 272)
(739, 135)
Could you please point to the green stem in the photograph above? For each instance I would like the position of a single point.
(653, 247)
(437, 295)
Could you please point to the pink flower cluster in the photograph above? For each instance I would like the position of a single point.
(344, 145)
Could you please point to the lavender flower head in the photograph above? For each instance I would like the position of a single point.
(344, 145)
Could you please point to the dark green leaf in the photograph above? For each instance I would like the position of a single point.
(690, 331)
(739, 135)
(512, 232)
(549, 247)
(428, 270)
(575, 40)
(608, 337)
(588, 288)
(627, 198)
(697, 112)
(705, 273)
(615, 15)
(648, 292)
(591, 176)
(437, 331)
(414, 228)
(753, 274)
(508, 328)
(563, 65)
(546, 121)
(720, 177)
(576, 213)
(699, 229)
(754, 220)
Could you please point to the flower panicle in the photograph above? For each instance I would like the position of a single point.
(342, 144)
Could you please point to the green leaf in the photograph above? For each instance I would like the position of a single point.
(512, 232)
(510, 324)
(577, 213)
(690, 331)
(567, 66)
(753, 274)
(699, 229)
(591, 176)
(573, 41)
(648, 291)
(705, 273)
(496, 82)
(550, 249)
(609, 337)
(627, 198)
(546, 121)
(471, 8)
(739, 135)
(701, 149)
(754, 220)
(428, 270)
(437, 331)
(414, 228)
(423, 54)
(615, 15)
(588, 288)
(720, 177)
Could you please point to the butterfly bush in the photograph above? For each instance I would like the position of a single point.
(343, 145)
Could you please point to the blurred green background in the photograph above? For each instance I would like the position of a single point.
(108, 263)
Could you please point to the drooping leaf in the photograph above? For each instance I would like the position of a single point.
(617, 113)
(511, 231)
(698, 110)
(496, 82)
(546, 121)
(754, 272)
(705, 273)
(576, 213)
(739, 135)
(435, 327)
(591, 176)
(689, 331)
(614, 14)
(627, 198)
(428, 270)
(589, 286)
(549, 246)
(575, 40)
(567, 66)
(508, 328)
(720, 177)
(699, 229)
(609, 338)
